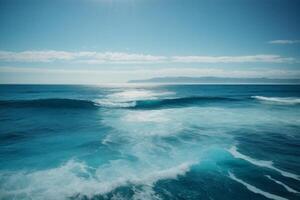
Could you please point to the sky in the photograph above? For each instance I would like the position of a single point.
(113, 41)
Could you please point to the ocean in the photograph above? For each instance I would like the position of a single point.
(217, 142)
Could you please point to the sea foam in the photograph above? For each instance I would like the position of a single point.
(261, 163)
(128, 98)
(282, 184)
(279, 100)
(255, 189)
(77, 179)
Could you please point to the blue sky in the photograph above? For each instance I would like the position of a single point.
(99, 41)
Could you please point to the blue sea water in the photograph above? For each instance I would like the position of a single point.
(150, 142)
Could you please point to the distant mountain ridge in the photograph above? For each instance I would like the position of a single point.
(211, 79)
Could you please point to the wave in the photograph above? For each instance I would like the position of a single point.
(261, 163)
(138, 104)
(255, 189)
(278, 100)
(48, 103)
(161, 103)
(143, 99)
(178, 102)
(77, 179)
(282, 184)
(133, 95)
(112, 104)
(151, 103)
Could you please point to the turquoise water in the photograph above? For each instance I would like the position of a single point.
(150, 142)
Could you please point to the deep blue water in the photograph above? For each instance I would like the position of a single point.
(150, 142)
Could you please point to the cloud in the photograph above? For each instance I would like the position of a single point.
(233, 59)
(91, 57)
(87, 57)
(284, 41)
(35, 56)
(119, 57)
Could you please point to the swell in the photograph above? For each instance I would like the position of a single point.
(137, 104)
(87, 104)
(179, 102)
(48, 103)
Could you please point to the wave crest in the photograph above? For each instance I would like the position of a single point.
(178, 102)
(77, 179)
(87, 104)
(161, 103)
(278, 100)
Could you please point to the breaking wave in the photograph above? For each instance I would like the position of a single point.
(279, 100)
(89, 104)
(163, 103)
(179, 102)
(77, 179)
(143, 103)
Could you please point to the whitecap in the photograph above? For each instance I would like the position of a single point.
(133, 95)
(261, 163)
(255, 189)
(78, 179)
(128, 98)
(113, 104)
(279, 100)
(145, 193)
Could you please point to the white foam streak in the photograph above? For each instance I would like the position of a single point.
(261, 163)
(282, 184)
(279, 100)
(255, 189)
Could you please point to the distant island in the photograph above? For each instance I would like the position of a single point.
(217, 80)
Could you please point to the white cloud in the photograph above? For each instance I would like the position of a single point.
(35, 56)
(91, 57)
(87, 57)
(233, 59)
(119, 57)
(284, 41)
